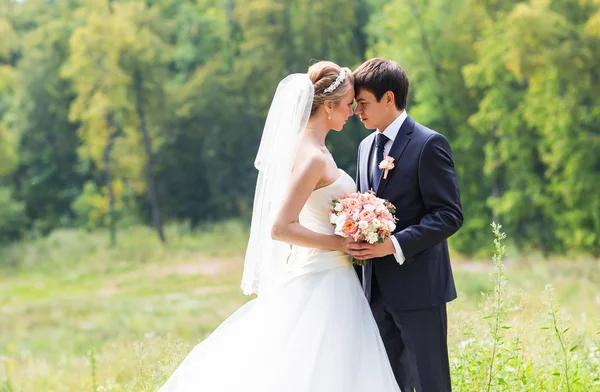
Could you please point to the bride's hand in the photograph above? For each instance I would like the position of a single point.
(366, 251)
(345, 244)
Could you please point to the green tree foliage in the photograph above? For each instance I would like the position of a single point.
(537, 67)
(154, 109)
(118, 65)
(47, 176)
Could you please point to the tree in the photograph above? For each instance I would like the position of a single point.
(47, 177)
(561, 103)
(100, 87)
(119, 67)
(12, 212)
(145, 56)
(8, 79)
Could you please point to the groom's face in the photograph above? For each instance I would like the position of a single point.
(368, 109)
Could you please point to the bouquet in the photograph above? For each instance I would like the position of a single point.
(364, 217)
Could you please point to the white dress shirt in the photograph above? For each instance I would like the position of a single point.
(391, 132)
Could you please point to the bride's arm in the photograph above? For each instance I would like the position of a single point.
(305, 177)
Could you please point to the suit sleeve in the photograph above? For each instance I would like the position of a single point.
(439, 189)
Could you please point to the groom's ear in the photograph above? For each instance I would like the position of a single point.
(389, 98)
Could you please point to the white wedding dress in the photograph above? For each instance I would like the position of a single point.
(315, 334)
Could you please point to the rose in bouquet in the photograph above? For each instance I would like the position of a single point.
(364, 217)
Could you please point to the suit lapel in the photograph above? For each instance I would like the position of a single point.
(402, 139)
(365, 154)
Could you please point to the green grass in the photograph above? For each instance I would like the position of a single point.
(67, 302)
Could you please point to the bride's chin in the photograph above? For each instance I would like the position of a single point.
(339, 129)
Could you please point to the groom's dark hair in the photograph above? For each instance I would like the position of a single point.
(379, 76)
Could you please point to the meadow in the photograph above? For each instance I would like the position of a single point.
(76, 315)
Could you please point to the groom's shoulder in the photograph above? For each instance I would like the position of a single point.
(424, 133)
(422, 130)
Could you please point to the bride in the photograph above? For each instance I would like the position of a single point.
(311, 328)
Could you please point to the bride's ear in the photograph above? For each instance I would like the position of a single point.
(328, 105)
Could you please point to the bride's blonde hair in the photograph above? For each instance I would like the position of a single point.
(323, 74)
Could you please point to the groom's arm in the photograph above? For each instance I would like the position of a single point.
(439, 188)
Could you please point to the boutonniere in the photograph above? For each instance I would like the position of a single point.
(387, 164)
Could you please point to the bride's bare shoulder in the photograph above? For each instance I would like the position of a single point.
(307, 150)
(309, 157)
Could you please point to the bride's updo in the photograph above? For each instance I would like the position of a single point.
(323, 74)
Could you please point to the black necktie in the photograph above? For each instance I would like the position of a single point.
(380, 141)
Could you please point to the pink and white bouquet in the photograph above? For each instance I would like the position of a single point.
(364, 217)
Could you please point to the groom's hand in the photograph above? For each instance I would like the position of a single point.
(365, 251)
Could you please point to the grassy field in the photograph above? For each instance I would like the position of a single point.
(76, 316)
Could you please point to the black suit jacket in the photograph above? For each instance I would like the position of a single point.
(424, 188)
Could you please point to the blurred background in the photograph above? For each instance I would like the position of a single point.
(128, 131)
(151, 111)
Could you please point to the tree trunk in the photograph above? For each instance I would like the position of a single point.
(156, 221)
(112, 215)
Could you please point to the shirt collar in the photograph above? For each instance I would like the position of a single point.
(392, 130)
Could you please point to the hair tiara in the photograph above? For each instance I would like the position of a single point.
(341, 77)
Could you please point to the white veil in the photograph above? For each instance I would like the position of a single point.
(266, 258)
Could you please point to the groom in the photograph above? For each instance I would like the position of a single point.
(408, 278)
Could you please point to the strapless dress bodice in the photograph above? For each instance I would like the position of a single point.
(315, 217)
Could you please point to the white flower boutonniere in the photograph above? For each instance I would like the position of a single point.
(387, 164)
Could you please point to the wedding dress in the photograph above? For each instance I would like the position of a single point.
(314, 333)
